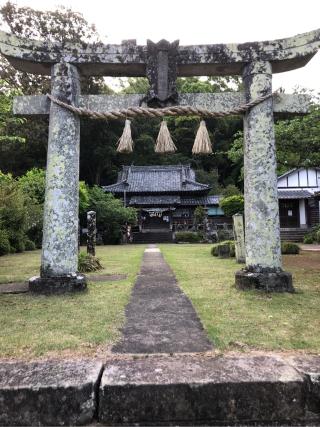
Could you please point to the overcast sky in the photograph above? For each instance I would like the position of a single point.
(203, 21)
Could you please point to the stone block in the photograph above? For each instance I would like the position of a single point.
(200, 390)
(265, 281)
(309, 366)
(48, 393)
(58, 285)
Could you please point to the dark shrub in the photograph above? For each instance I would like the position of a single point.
(215, 248)
(308, 239)
(289, 248)
(188, 237)
(30, 245)
(4, 243)
(87, 263)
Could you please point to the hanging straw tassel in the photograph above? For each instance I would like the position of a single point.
(125, 143)
(164, 143)
(202, 143)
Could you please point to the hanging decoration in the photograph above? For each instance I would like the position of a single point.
(125, 143)
(164, 143)
(202, 143)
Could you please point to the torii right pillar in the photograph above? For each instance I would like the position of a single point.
(262, 228)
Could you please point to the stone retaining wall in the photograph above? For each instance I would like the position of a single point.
(166, 390)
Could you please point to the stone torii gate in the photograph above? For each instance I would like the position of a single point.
(161, 63)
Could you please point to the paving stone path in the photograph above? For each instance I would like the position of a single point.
(159, 317)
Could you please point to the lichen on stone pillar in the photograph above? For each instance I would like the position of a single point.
(262, 228)
(59, 260)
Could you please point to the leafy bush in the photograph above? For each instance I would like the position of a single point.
(188, 237)
(216, 246)
(232, 205)
(289, 248)
(33, 184)
(4, 243)
(30, 245)
(87, 263)
(313, 236)
(308, 239)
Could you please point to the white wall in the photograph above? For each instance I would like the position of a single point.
(301, 178)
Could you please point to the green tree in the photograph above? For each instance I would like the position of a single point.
(12, 143)
(13, 213)
(33, 185)
(84, 198)
(60, 25)
(232, 205)
(111, 214)
(199, 214)
(297, 143)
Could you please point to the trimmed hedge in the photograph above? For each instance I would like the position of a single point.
(215, 248)
(289, 248)
(188, 237)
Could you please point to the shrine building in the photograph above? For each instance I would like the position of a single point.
(166, 198)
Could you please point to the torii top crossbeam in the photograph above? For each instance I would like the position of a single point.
(129, 59)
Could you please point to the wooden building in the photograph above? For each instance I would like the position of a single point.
(298, 202)
(166, 197)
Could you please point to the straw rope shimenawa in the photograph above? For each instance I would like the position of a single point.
(164, 143)
(177, 110)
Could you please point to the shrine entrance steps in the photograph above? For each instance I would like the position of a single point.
(153, 237)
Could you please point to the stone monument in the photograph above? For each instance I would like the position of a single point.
(239, 241)
(91, 233)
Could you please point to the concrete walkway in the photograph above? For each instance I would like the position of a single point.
(159, 317)
(311, 248)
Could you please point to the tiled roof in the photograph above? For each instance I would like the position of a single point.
(294, 194)
(196, 201)
(173, 200)
(156, 179)
(154, 200)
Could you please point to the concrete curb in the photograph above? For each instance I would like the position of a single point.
(187, 389)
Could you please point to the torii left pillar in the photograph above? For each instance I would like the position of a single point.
(59, 260)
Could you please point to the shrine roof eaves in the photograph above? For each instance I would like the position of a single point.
(129, 59)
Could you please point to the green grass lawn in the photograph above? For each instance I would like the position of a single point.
(33, 326)
(88, 323)
(238, 320)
